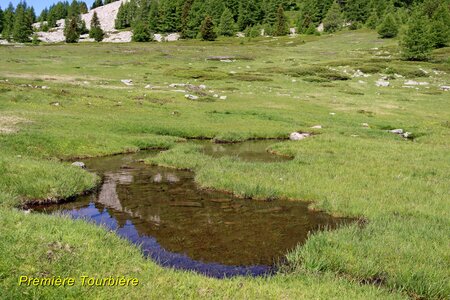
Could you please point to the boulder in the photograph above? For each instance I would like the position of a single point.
(297, 136)
(191, 97)
(128, 82)
(79, 164)
(396, 131)
(382, 83)
(445, 88)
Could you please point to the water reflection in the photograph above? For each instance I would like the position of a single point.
(180, 226)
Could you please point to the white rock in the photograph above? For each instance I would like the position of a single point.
(202, 86)
(216, 96)
(128, 82)
(45, 87)
(297, 136)
(223, 97)
(332, 114)
(191, 97)
(382, 83)
(79, 164)
(148, 86)
(317, 127)
(445, 88)
(359, 73)
(407, 135)
(226, 60)
(365, 125)
(396, 131)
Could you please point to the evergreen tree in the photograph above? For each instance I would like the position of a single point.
(333, 20)
(97, 3)
(281, 23)
(227, 27)
(71, 31)
(35, 39)
(1, 20)
(372, 21)
(96, 31)
(44, 15)
(141, 32)
(83, 8)
(194, 20)
(440, 27)
(357, 10)
(416, 43)
(8, 22)
(388, 28)
(185, 14)
(153, 16)
(22, 28)
(207, 29)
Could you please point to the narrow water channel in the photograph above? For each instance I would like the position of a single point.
(180, 226)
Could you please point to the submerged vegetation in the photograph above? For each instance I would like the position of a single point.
(99, 99)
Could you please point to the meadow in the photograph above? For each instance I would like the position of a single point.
(63, 102)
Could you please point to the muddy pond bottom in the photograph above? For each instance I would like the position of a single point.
(180, 226)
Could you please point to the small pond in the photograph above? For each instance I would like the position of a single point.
(180, 226)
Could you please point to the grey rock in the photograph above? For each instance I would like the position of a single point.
(79, 164)
(396, 131)
(297, 136)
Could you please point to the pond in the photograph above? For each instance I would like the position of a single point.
(181, 226)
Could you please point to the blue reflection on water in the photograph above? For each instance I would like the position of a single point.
(151, 248)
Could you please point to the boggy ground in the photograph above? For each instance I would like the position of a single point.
(399, 187)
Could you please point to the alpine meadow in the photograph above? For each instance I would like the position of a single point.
(225, 149)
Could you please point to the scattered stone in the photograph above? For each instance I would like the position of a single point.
(382, 83)
(297, 136)
(361, 82)
(412, 82)
(45, 87)
(359, 73)
(202, 86)
(128, 82)
(55, 103)
(191, 97)
(148, 86)
(396, 131)
(79, 164)
(365, 125)
(157, 178)
(445, 88)
(172, 178)
(223, 97)
(216, 96)
(332, 114)
(407, 135)
(317, 127)
(186, 204)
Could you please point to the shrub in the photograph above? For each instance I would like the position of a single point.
(388, 28)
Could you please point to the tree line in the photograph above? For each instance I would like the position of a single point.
(425, 24)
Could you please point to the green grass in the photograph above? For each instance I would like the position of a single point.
(398, 187)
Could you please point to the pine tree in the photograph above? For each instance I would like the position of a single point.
(372, 21)
(8, 22)
(141, 32)
(153, 16)
(388, 28)
(22, 29)
(207, 29)
(281, 23)
(71, 31)
(83, 8)
(333, 20)
(35, 39)
(357, 10)
(227, 27)
(416, 43)
(440, 27)
(1, 20)
(97, 3)
(96, 31)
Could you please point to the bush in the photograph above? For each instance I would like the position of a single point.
(417, 43)
(141, 33)
(207, 32)
(333, 20)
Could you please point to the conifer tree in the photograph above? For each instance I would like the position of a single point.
(333, 20)
(440, 27)
(141, 32)
(1, 20)
(281, 23)
(96, 31)
(388, 28)
(35, 39)
(83, 8)
(416, 43)
(153, 16)
(97, 3)
(372, 20)
(22, 28)
(227, 27)
(357, 10)
(71, 32)
(185, 13)
(8, 22)
(207, 29)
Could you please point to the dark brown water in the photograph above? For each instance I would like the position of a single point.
(181, 226)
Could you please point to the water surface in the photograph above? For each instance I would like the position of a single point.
(178, 225)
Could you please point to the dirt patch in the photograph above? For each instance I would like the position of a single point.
(9, 124)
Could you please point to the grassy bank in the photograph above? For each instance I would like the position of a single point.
(399, 186)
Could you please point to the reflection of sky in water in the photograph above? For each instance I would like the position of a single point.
(152, 249)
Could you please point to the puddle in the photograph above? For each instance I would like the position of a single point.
(179, 226)
(255, 151)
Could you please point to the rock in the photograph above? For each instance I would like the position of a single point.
(396, 131)
(216, 96)
(445, 88)
(365, 125)
(45, 87)
(176, 85)
(407, 135)
(382, 83)
(361, 82)
(359, 73)
(172, 178)
(79, 164)
(157, 178)
(55, 104)
(223, 97)
(148, 86)
(297, 136)
(412, 82)
(317, 127)
(320, 28)
(202, 86)
(128, 82)
(191, 97)
(332, 114)
(186, 204)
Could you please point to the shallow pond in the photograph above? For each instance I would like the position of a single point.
(180, 226)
